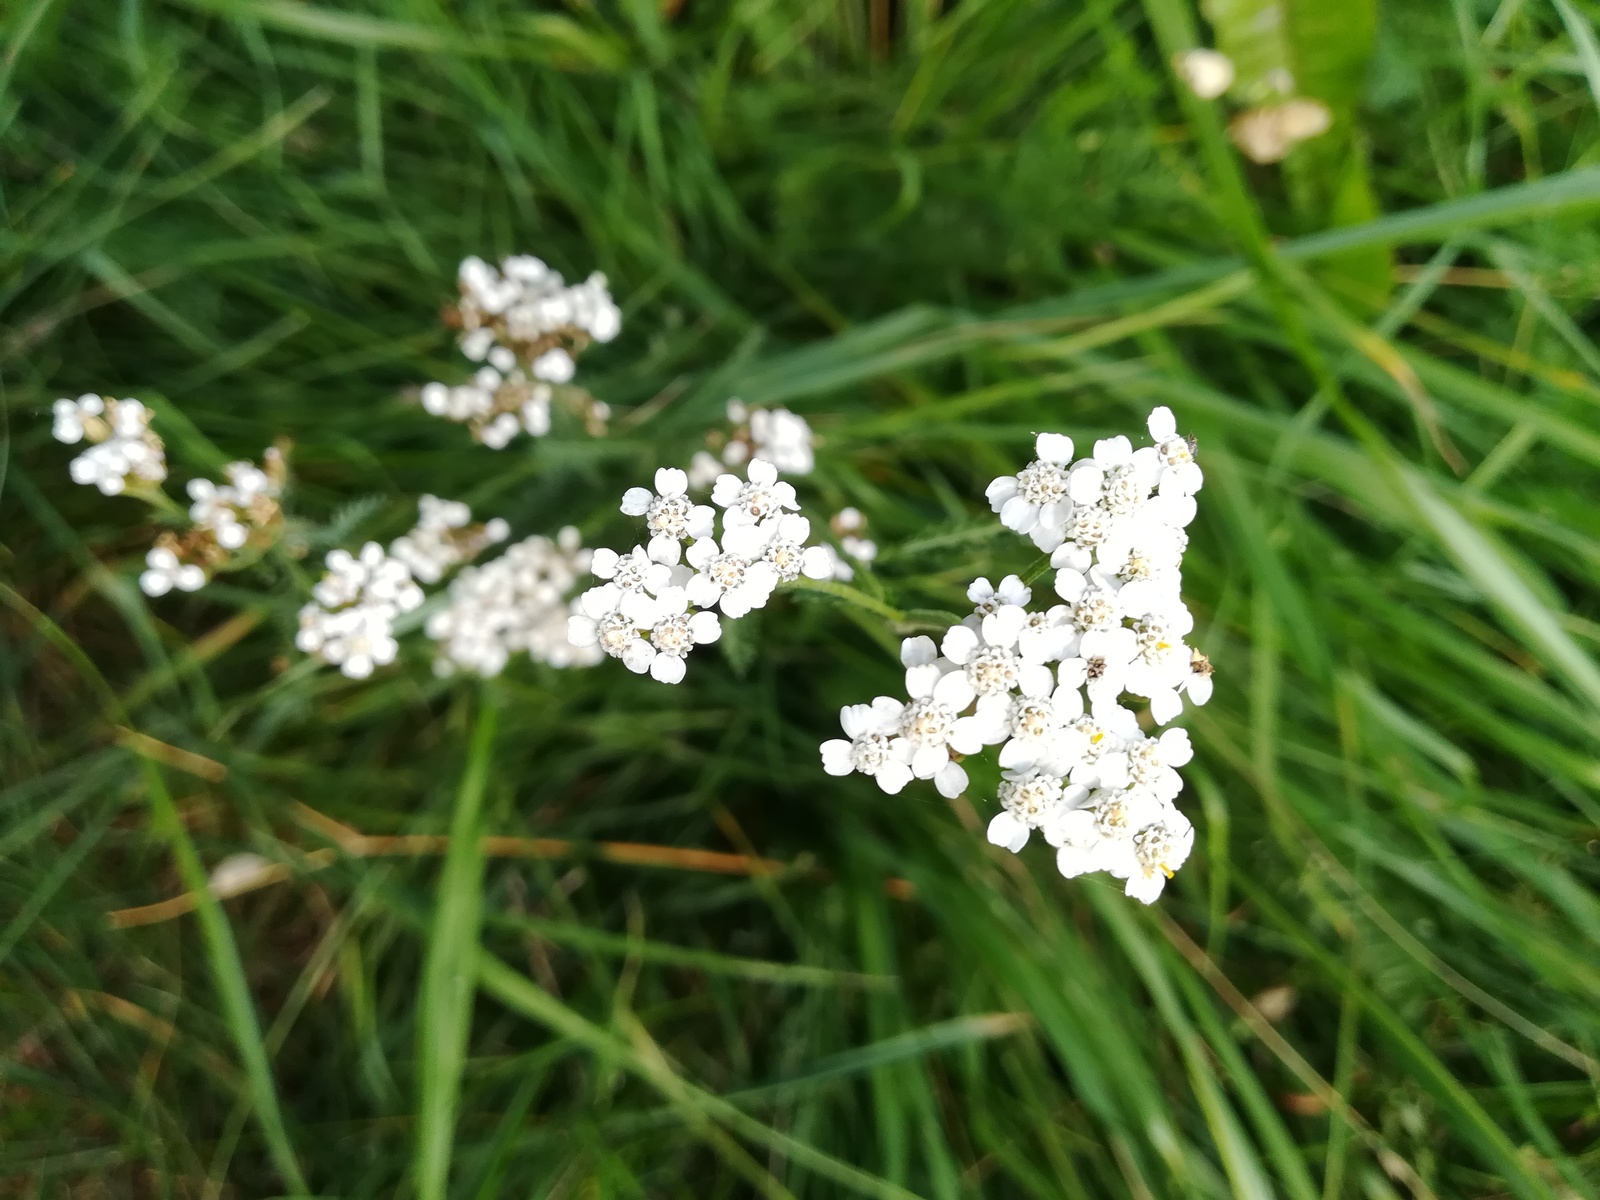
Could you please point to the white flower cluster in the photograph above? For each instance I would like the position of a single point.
(225, 519)
(350, 619)
(497, 406)
(230, 512)
(526, 311)
(776, 435)
(642, 613)
(444, 538)
(527, 326)
(517, 602)
(1045, 686)
(124, 451)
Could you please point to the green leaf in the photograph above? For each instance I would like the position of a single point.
(444, 1010)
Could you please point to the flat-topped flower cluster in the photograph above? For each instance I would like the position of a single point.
(658, 599)
(1046, 684)
(527, 326)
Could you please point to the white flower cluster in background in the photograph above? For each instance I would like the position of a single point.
(1046, 684)
(516, 603)
(349, 621)
(444, 538)
(123, 453)
(645, 614)
(226, 521)
(775, 435)
(527, 326)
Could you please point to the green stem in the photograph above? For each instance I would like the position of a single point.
(444, 1015)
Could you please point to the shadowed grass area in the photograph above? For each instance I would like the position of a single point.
(932, 228)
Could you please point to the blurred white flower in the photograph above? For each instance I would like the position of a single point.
(163, 572)
(513, 604)
(124, 451)
(1208, 73)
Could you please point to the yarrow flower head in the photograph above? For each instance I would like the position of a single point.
(124, 453)
(517, 603)
(670, 515)
(1046, 684)
(350, 619)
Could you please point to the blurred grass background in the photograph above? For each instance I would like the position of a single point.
(931, 227)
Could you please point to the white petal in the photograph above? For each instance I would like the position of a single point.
(1011, 591)
(665, 549)
(1199, 688)
(701, 521)
(604, 563)
(600, 601)
(1084, 482)
(1053, 448)
(762, 472)
(816, 563)
(667, 668)
(703, 591)
(980, 589)
(1008, 831)
(1019, 515)
(836, 757)
(951, 781)
(893, 776)
(1001, 627)
(1070, 585)
(955, 690)
(670, 481)
(959, 643)
(928, 761)
(581, 630)
(1162, 424)
(747, 541)
(918, 651)
(705, 628)
(638, 656)
(1035, 679)
(1113, 451)
(636, 501)
(1165, 705)
(920, 681)
(1000, 490)
(1145, 888)
(699, 554)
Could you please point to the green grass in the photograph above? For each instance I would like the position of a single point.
(932, 229)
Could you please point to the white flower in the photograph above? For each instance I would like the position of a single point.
(732, 576)
(669, 514)
(863, 550)
(1155, 852)
(704, 470)
(1104, 734)
(1179, 471)
(837, 567)
(787, 552)
(73, 417)
(1197, 686)
(442, 538)
(554, 366)
(1208, 73)
(514, 604)
(932, 724)
(1099, 835)
(784, 439)
(163, 572)
(1030, 800)
(125, 449)
(874, 747)
(986, 598)
(1035, 500)
(674, 631)
(1039, 730)
(1103, 663)
(1151, 762)
(755, 499)
(990, 655)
